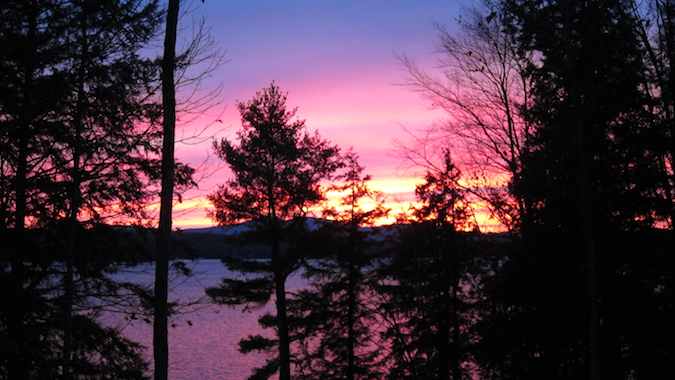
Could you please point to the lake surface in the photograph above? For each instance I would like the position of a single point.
(203, 344)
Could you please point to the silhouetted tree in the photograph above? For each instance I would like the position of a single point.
(103, 147)
(655, 28)
(588, 174)
(29, 91)
(484, 88)
(186, 70)
(278, 169)
(90, 136)
(425, 297)
(334, 315)
(160, 336)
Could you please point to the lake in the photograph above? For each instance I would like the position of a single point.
(203, 343)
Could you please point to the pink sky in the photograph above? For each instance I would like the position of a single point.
(337, 61)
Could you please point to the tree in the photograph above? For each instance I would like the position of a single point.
(484, 88)
(103, 145)
(177, 72)
(425, 297)
(30, 90)
(278, 170)
(655, 27)
(587, 172)
(334, 316)
(160, 336)
(87, 156)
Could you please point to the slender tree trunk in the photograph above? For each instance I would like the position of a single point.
(75, 204)
(585, 212)
(160, 338)
(282, 320)
(454, 312)
(17, 368)
(351, 321)
(69, 293)
(593, 293)
(443, 335)
(282, 326)
(73, 225)
(68, 275)
(456, 367)
(444, 307)
(586, 105)
(18, 364)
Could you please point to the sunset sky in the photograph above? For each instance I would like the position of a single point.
(337, 61)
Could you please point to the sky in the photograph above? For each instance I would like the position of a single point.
(337, 61)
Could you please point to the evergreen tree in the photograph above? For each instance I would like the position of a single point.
(334, 315)
(29, 92)
(103, 148)
(425, 300)
(87, 126)
(278, 169)
(591, 176)
(655, 27)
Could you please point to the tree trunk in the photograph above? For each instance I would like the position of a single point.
(445, 307)
(454, 311)
(73, 225)
(75, 204)
(18, 364)
(68, 276)
(586, 107)
(585, 212)
(351, 321)
(593, 292)
(282, 321)
(160, 338)
(443, 336)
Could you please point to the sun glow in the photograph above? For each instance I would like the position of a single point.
(397, 193)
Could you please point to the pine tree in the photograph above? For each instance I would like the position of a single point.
(29, 91)
(89, 137)
(592, 177)
(422, 286)
(103, 149)
(334, 315)
(278, 169)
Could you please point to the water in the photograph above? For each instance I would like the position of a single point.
(203, 344)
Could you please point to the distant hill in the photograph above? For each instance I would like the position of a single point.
(214, 242)
(218, 230)
(218, 241)
(236, 229)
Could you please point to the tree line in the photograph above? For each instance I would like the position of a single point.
(567, 100)
(81, 140)
(560, 112)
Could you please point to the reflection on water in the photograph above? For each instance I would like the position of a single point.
(203, 344)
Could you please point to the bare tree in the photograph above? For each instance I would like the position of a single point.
(483, 88)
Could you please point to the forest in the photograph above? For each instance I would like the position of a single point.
(559, 125)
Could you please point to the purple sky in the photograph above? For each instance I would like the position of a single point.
(337, 60)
